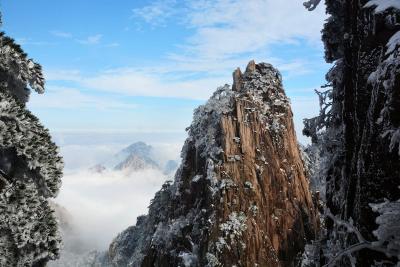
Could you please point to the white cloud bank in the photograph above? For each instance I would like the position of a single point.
(102, 205)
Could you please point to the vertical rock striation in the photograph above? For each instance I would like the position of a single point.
(240, 197)
(363, 125)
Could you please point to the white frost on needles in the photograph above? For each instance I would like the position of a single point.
(394, 41)
(235, 226)
(382, 5)
(383, 80)
(206, 118)
(388, 232)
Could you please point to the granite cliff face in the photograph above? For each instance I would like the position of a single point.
(366, 96)
(361, 142)
(30, 166)
(241, 195)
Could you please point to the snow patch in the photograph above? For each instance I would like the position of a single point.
(382, 5)
(234, 226)
(394, 42)
(188, 259)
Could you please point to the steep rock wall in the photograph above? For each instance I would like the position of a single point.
(362, 137)
(241, 196)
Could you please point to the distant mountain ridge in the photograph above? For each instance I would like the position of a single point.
(137, 156)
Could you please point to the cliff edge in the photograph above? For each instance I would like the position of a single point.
(240, 197)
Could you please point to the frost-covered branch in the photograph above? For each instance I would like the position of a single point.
(18, 71)
(311, 4)
(387, 234)
(30, 166)
(347, 252)
(348, 225)
(313, 126)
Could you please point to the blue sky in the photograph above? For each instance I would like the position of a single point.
(140, 66)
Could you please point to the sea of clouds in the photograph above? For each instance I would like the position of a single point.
(101, 205)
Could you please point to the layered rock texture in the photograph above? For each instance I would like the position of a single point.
(240, 197)
(362, 117)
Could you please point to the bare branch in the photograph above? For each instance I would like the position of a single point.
(349, 225)
(362, 242)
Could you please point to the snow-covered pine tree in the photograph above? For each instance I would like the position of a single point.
(30, 167)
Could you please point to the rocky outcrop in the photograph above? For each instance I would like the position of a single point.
(240, 197)
(135, 163)
(362, 139)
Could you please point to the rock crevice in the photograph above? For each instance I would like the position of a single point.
(240, 197)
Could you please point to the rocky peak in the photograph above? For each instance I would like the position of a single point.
(240, 197)
(135, 157)
(139, 148)
(136, 162)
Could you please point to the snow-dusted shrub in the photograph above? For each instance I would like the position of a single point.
(226, 184)
(387, 235)
(382, 5)
(234, 227)
(28, 226)
(212, 260)
(310, 257)
(17, 71)
(388, 232)
(253, 209)
(30, 167)
(205, 126)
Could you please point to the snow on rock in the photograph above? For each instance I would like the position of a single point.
(27, 139)
(357, 134)
(393, 43)
(234, 226)
(388, 231)
(219, 210)
(382, 5)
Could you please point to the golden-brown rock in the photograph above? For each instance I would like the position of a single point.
(270, 182)
(241, 196)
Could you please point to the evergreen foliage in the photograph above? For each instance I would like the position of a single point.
(30, 167)
(357, 135)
